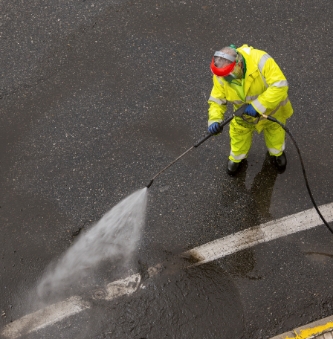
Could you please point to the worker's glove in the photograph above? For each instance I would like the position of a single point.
(249, 110)
(215, 128)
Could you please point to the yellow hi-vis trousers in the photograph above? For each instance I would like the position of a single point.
(241, 134)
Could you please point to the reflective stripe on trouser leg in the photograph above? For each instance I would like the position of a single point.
(240, 141)
(275, 137)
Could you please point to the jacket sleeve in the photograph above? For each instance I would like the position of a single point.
(217, 102)
(276, 83)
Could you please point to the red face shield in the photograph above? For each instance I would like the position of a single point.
(223, 71)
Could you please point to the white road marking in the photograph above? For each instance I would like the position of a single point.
(45, 317)
(56, 312)
(208, 252)
(259, 234)
(120, 287)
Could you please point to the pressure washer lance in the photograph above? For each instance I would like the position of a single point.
(240, 113)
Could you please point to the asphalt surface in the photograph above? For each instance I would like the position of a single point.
(97, 97)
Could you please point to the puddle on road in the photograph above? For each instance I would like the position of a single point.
(242, 264)
(196, 302)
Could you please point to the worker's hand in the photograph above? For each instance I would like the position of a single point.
(249, 110)
(214, 128)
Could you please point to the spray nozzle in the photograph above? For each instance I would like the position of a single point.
(150, 183)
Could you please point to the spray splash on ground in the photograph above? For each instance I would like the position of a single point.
(115, 236)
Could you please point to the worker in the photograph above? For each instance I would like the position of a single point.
(248, 76)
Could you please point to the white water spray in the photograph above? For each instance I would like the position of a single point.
(115, 236)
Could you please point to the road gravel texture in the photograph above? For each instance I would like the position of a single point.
(96, 97)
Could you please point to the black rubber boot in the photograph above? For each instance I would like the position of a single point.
(232, 167)
(281, 162)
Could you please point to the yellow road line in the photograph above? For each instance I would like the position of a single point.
(310, 332)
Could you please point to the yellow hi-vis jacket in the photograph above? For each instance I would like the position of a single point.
(265, 87)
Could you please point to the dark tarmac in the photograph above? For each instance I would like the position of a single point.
(97, 97)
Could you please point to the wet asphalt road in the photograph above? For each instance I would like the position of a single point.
(96, 97)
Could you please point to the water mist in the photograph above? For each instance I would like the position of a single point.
(115, 236)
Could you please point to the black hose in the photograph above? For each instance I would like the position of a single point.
(303, 169)
(222, 124)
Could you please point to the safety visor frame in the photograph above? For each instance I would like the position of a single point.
(223, 71)
(226, 70)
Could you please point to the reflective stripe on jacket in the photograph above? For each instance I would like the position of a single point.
(265, 86)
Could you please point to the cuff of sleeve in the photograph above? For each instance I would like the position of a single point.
(212, 121)
(258, 106)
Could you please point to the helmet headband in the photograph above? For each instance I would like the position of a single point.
(225, 56)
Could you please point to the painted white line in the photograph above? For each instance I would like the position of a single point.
(208, 252)
(122, 287)
(45, 317)
(259, 234)
(119, 288)
(56, 312)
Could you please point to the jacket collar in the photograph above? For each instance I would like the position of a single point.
(251, 68)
